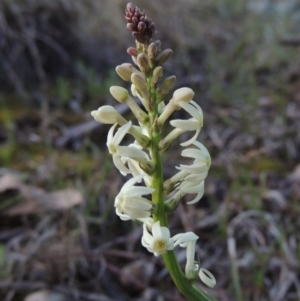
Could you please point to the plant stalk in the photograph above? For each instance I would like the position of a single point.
(183, 284)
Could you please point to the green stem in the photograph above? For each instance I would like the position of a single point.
(183, 284)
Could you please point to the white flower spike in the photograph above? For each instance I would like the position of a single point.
(159, 242)
(129, 202)
(142, 159)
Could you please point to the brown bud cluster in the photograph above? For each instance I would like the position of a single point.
(141, 26)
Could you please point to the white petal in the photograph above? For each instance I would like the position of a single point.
(183, 94)
(131, 152)
(207, 277)
(182, 238)
(110, 135)
(187, 125)
(139, 214)
(194, 110)
(196, 199)
(139, 190)
(139, 203)
(170, 245)
(120, 165)
(196, 106)
(137, 171)
(122, 131)
(192, 188)
(197, 178)
(123, 217)
(147, 237)
(131, 182)
(156, 229)
(190, 257)
(193, 153)
(165, 233)
(193, 169)
(192, 140)
(202, 147)
(159, 232)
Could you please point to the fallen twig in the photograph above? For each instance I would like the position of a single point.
(290, 41)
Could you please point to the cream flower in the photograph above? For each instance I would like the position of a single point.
(193, 188)
(122, 96)
(201, 156)
(182, 190)
(135, 166)
(129, 202)
(183, 94)
(190, 178)
(159, 242)
(188, 240)
(117, 151)
(193, 124)
(179, 96)
(108, 115)
(113, 144)
(136, 93)
(182, 126)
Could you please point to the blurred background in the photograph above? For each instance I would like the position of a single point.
(59, 236)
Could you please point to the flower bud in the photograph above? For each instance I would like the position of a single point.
(138, 81)
(108, 115)
(157, 74)
(140, 85)
(124, 72)
(119, 93)
(133, 90)
(143, 63)
(166, 86)
(164, 56)
(183, 94)
(151, 51)
(132, 51)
